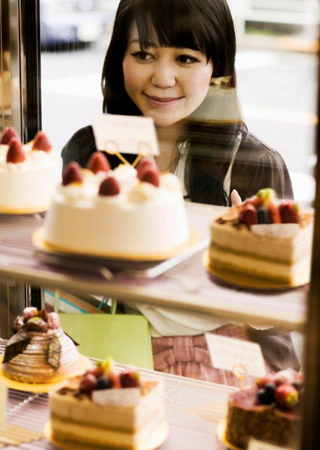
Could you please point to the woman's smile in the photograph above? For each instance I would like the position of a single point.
(162, 101)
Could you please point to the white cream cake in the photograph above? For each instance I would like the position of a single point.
(28, 174)
(124, 212)
(264, 239)
(105, 410)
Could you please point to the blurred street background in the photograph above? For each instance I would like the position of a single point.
(276, 68)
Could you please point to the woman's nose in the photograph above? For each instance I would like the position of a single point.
(163, 76)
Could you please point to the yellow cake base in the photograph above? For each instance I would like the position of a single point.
(83, 364)
(22, 211)
(41, 244)
(156, 439)
(245, 281)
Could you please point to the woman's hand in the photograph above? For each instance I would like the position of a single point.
(235, 198)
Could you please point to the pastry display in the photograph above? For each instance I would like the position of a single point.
(123, 212)
(28, 173)
(39, 351)
(263, 238)
(103, 409)
(269, 411)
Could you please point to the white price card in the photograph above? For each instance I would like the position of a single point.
(258, 445)
(3, 402)
(227, 353)
(125, 134)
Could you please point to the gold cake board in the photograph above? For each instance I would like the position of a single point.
(82, 365)
(221, 433)
(156, 439)
(41, 244)
(245, 281)
(23, 211)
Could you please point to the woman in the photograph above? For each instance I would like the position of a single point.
(173, 60)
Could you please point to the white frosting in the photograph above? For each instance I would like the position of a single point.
(280, 230)
(141, 220)
(118, 397)
(30, 184)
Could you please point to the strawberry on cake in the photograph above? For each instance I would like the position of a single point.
(268, 411)
(103, 409)
(263, 238)
(122, 212)
(28, 173)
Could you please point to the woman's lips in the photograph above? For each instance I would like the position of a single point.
(163, 101)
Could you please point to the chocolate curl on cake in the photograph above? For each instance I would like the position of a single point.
(7, 135)
(109, 187)
(54, 353)
(72, 174)
(98, 162)
(19, 343)
(15, 152)
(41, 142)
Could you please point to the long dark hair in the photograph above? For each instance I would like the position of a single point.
(204, 25)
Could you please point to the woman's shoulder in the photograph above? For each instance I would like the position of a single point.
(254, 149)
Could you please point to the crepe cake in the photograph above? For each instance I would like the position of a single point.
(103, 409)
(263, 238)
(268, 411)
(39, 351)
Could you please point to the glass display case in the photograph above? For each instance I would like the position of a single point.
(52, 57)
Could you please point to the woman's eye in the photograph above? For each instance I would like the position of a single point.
(187, 59)
(142, 56)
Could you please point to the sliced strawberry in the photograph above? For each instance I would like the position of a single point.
(7, 135)
(289, 212)
(109, 187)
(248, 215)
(72, 174)
(151, 176)
(41, 142)
(274, 213)
(98, 162)
(286, 396)
(15, 153)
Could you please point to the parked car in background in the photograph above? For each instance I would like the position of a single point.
(75, 21)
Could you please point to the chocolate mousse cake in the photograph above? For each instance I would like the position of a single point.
(39, 351)
(269, 411)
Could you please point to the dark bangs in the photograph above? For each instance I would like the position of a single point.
(196, 24)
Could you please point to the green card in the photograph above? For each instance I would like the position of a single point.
(124, 337)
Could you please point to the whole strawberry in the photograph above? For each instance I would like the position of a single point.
(41, 142)
(15, 152)
(289, 212)
(129, 379)
(8, 134)
(109, 187)
(72, 174)
(286, 397)
(151, 176)
(98, 163)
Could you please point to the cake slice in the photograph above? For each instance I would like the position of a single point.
(268, 411)
(104, 410)
(39, 351)
(263, 238)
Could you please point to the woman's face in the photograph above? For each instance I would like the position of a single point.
(165, 83)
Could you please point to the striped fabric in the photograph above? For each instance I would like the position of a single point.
(188, 356)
